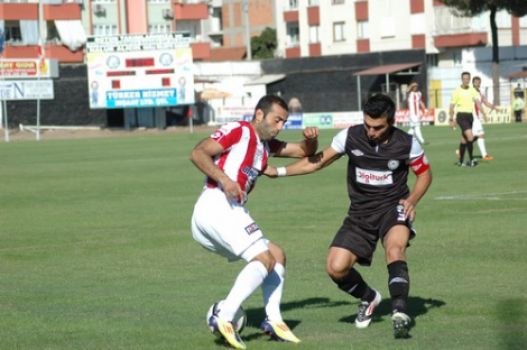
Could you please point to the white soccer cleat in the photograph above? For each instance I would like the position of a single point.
(366, 310)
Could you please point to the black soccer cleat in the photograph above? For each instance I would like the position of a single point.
(401, 325)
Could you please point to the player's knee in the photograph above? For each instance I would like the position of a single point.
(336, 271)
(394, 253)
(267, 259)
(278, 253)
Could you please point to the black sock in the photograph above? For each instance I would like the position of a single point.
(462, 147)
(469, 149)
(353, 284)
(399, 284)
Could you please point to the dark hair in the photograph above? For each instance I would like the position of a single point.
(266, 104)
(465, 73)
(476, 78)
(378, 105)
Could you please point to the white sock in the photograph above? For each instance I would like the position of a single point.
(249, 278)
(482, 148)
(419, 135)
(272, 288)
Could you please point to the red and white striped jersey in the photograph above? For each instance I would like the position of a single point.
(414, 102)
(477, 111)
(245, 156)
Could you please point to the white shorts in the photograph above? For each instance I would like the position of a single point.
(226, 228)
(415, 121)
(477, 127)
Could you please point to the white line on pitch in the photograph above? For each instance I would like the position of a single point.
(484, 196)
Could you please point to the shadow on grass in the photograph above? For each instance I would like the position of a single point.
(417, 306)
(512, 317)
(257, 314)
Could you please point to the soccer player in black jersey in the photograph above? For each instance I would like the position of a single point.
(382, 207)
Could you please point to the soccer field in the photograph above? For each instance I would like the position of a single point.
(96, 250)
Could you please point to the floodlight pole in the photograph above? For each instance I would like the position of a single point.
(41, 30)
(247, 27)
(4, 109)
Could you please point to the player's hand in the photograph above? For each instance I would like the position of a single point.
(270, 171)
(232, 191)
(409, 209)
(311, 133)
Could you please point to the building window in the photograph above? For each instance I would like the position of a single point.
(312, 2)
(104, 29)
(338, 32)
(432, 60)
(362, 29)
(337, 2)
(53, 33)
(12, 31)
(313, 35)
(159, 28)
(293, 33)
(293, 4)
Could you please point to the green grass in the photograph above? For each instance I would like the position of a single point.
(96, 251)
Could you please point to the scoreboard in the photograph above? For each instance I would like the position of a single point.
(130, 71)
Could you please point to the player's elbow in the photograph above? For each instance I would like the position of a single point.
(195, 155)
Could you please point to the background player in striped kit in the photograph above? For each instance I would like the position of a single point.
(415, 108)
(232, 158)
(479, 116)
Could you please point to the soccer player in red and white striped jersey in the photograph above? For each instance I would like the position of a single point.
(479, 117)
(232, 158)
(415, 106)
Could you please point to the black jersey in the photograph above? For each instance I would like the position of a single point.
(377, 173)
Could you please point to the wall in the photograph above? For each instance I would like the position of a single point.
(70, 106)
(327, 84)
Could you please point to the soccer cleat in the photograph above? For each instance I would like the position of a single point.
(488, 157)
(366, 309)
(227, 331)
(278, 331)
(401, 324)
(472, 163)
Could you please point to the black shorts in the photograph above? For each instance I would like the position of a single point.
(359, 234)
(464, 120)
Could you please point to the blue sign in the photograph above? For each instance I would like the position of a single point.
(294, 121)
(141, 98)
(1, 41)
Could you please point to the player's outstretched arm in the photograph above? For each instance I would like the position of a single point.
(306, 165)
(306, 147)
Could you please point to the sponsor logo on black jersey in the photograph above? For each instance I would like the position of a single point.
(357, 152)
(393, 164)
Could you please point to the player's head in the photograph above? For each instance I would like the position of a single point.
(270, 115)
(465, 78)
(476, 82)
(413, 86)
(379, 116)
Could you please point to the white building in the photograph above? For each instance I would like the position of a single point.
(310, 28)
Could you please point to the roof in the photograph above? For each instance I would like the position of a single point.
(388, 68)
(227, 54)
(518, 75)
(266, 79)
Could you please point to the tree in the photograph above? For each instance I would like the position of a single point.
(263, 46)
(471, 8)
